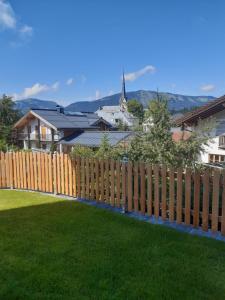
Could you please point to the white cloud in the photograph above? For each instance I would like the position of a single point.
(55, 86)
(7, 16)
(70, 81)
(35, 90)
(207, 87)
(134, 75)
(26, 31)
(97, 94)
(8, 20)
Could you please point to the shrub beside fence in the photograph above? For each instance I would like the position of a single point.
(181, 196)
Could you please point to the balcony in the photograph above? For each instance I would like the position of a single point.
(34, 137)
(222, 141)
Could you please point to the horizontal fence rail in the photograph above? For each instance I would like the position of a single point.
(186, 197)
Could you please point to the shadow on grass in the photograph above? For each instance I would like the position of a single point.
(64, 249)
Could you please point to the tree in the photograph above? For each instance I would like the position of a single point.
(136, 109)
(157, 145)
(105, 149)
(122, 126)
(82, 151)
(8, 116)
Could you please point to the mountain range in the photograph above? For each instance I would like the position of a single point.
(176, 102)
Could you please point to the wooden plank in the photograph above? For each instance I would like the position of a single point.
(102, 180)
(196, 198)
(171, 194)
(39, 172)
(18, 170)
(15, 184)
(92, 171)
(43, 171)
(205, 201)
(78, 174)
(130, 186)
(143, 189)
(35, 161)
(136, 186)
(28, 169)
(82, 178)
(66, 172)
(21, 170)
(179, 195)
(112, 182)
(215, 200)
(58, 159)
(62, 175)
(156, 191)
(96, 179)
(31, 171)
(50, 168)
(164, 192)
(223, 207)
(149, 184)
(46, 172)
(107, 181)
(118, 181)
(87, 175)
(73, 162)
(24, 170)
(124, 191)
(55, 173)
(7, 169)
(71, 178)
(188, 197)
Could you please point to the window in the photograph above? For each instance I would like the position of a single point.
(214, 158)
(44, 146)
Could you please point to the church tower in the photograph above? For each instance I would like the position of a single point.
(123, 97)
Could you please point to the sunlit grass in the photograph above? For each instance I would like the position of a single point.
(56, 249)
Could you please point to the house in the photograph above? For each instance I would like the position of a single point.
(213, 112)
(118, 113)
(43, 128)
(93, 139)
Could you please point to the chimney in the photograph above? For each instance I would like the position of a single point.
(60, 109)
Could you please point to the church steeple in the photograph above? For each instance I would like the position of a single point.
(123, 97)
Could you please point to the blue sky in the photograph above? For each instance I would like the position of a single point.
(75, 50)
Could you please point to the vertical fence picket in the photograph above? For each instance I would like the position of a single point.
(188, 197)
(35, 171)
(164, 191)
(112, 182)
(171, 194)
(223, 207)
(92, 169)
(28, 169)
(215, 200)
(179, 195)
(87, 175)
(130, 186)
(102, 189)
(107, 181)
(156, 191)
(55, 187)
(59, 190)
(96, 179)
(149, 184)
(66, 174)
(124, 186)
(205, 201)
(143, 190)
(118, 183)
(136, 186)
(196, 199)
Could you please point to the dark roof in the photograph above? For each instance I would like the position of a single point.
(94, 138)
(64, 121)
(203, 112)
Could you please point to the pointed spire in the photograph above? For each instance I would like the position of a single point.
(123, 97)
(123, 94)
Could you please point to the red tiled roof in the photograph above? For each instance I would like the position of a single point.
(180, 135)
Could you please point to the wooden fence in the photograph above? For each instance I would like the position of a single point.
(182, 196)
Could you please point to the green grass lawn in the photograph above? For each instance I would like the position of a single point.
(51, 248)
